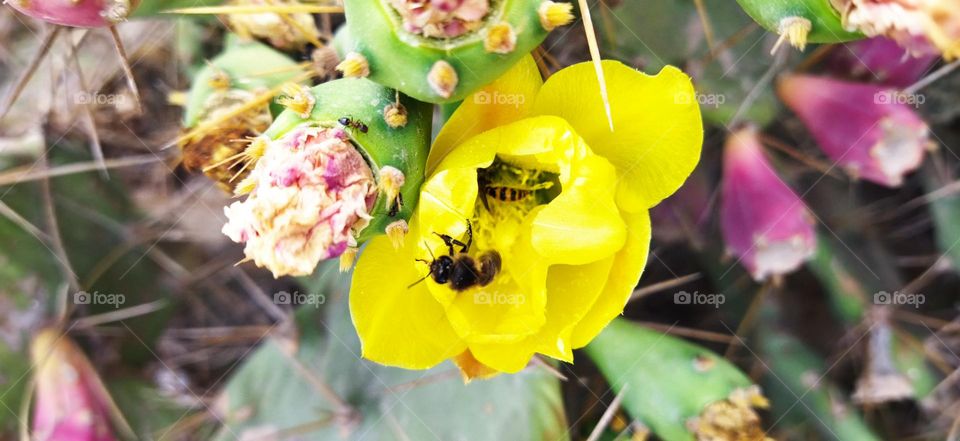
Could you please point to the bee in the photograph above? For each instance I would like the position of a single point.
(346, 121)
(508, 193)
(458, 268)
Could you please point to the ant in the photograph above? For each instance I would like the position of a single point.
(458, 268)
(346, 121)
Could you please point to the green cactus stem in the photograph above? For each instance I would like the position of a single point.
(800, 21)
(676, 388)
(377, 44)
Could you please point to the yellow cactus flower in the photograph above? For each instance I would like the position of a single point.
(539, 212)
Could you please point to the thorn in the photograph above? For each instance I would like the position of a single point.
(595, 56)
(127, 69)
(27, 74)
(391, 179)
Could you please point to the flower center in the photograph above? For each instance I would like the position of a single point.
(441, 18)
(506, 194)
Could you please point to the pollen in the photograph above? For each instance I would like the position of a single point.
(354, 65)
(794, 30)
(391, 179)
(443, 79)
(397, 232)
(554, 15)
(501, 39)
(395, 114)
(297, 98)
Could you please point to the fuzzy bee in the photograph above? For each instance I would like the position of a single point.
(458, 268)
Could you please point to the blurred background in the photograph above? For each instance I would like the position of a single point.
(119, 247)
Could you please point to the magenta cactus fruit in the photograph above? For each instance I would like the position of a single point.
(764, 223)
(881, 60)
(71, 403)
(77, 13)
(869, 130)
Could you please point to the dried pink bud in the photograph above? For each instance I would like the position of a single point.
(76, 13)
(312, 192)
(441, 18)
(71, 403)
(881, 60)
(871, 132)
(764, 223)
(916, 25)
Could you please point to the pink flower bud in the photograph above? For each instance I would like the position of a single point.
(312, 191)
(881, 60)
(765, 224)
(872, 132)
(71, 403)
(77, 13)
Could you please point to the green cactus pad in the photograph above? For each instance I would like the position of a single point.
(826, 20)
(404, 148)
(665, 387)
(401, 60)
(243, 61)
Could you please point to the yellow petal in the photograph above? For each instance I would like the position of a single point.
(658, 130)
(571, 291)
(583, 223)
(397, 325)
(507, 99)
(504, 358)
(623, 278)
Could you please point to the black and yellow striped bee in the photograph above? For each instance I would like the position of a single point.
(508, 193)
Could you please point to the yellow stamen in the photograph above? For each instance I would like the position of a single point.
(177, 98)
(501, 39)
(554, 15)
(395, 114)
(443, 78)
(354, 65)
(795, 30)
(298, 99)
(397, 232)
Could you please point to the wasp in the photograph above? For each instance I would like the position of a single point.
(458, 268)
(346, 121)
